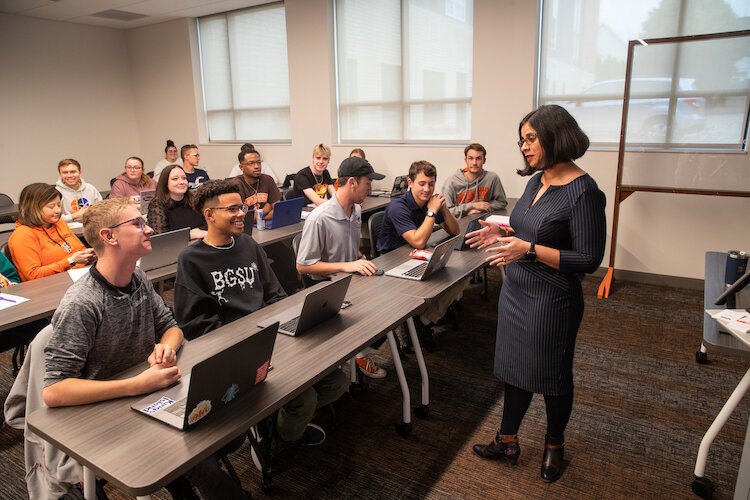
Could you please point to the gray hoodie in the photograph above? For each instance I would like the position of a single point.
(460, 193)
(75, 199)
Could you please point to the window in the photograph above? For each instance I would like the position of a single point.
(245, 75)
(404, 70)
(676, 102)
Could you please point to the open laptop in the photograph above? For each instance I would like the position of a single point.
(473, 225)
(319, 305)
(214, 382)
(286, 213)
(146, 196)
(165, 248)
(418, 270)
(400, 186)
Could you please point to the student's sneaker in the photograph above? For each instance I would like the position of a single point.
(369, 368)
(313, 436)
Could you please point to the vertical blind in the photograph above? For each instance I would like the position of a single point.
(245, 74)
(404, 70)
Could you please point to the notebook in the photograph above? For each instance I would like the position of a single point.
(165, 248)
(400, 185)
(319, 305)
(418, 270)
(213, 383)
(286, 213)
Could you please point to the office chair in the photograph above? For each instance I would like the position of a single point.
(150, 174)
(373, 228)
(307, 280)
(5, 200)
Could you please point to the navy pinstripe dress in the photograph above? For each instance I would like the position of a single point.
(540, 308)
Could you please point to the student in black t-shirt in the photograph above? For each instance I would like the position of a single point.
(314, 181)
(172, 208)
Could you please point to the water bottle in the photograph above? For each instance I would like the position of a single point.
(261, 219)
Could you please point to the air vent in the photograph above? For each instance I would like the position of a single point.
(119, 15)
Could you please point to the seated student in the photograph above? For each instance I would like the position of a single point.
(112, 319)
(410, 219)
(258, 190)
(8, 273)
(172, 207)
(358, 152)
(330, 237)
(191, 158)
(132, 182)
(170, 158)
(314, 181)
(42, 243)
(226, 276)
(77, 195)
(472, 189)
(265, 168)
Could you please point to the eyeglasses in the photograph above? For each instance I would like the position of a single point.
(139, 221)
(233, 208)
(529, 139)
(130, 167)
(250, 163)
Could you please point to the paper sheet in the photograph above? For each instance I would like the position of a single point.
(76, 274)
(7, 300)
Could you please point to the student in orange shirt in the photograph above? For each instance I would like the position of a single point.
(42, 243)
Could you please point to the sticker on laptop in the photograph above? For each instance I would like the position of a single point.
(201, 410)
(160, 404)
(262, 372)
(230, 393)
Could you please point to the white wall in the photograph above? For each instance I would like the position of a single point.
(661, 234)
(66, 92)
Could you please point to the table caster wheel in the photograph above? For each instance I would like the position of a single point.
(422, 411)
(703, 487)
(701, 357)
(403, 429)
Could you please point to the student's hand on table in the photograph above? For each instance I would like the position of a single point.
(163, 355)
(509, 249)
(361, 266)
(436, 202)
(481, 206)
(155, 377)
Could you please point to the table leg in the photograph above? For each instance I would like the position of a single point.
(406, 410)
(89, 484)
(420, 361)
(719, 421)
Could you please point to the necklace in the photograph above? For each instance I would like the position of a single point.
(225, 247)
(316, 177)
(64, 244)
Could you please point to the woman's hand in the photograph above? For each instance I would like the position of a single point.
(509, 249)
(489, 234)
(84, 257)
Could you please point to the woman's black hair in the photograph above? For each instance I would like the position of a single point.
(170, 144)
(558, 134)
(162, 189)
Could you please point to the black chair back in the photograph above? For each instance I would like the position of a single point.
(307, 281)
(373, 228)
(5, 200)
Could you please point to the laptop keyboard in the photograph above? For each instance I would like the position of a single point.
(417, 271)
(290, 326)
(178, 409)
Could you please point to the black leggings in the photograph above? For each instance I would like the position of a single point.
(516, 403)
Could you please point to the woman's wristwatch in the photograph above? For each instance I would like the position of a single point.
(531, 254)
(71, 262)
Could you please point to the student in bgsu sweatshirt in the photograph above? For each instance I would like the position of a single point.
(472, 189)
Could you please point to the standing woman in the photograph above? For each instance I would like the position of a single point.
(559, 232)
(170, 158)
(133, 181)
(172, 208)
(42, 243)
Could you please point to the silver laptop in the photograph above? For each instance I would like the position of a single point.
(165, 248)
(214, 382)
(414, 269)
(319, 305)
(400, 186)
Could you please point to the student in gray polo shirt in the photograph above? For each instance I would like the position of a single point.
(330, 237)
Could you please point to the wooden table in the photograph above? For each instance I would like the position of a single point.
(138, 454)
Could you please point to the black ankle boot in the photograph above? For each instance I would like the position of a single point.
(552, 461)
(497, 450)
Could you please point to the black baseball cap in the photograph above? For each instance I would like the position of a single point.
(355, 166)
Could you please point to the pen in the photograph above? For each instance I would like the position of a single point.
(8, 300)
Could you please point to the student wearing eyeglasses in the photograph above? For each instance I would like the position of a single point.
(191, 158)
(42, 243)
(132, 182)
(226, 276)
